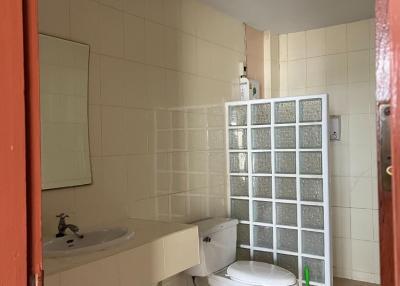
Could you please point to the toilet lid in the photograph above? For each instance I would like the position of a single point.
(261, 274)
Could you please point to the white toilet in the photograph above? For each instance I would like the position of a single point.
(218, 255)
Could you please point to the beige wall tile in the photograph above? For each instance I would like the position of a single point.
(139, 128)
(180, 161)
(338, 99)
(113, 3)
(135, 7)
(340, 191)
(361, 193)
(363, 256)
(186, 53)
(154, 44)
(140, 172)
(113, 131)
(134, 38)
(122, 83)
(155, 10)
(115, 187)
(296, 46)
(340, 161)
(372, 33)
(360, 160)
(95, 130)
(359, 99)
(173, 13)
(283, 47)
(52, 280)
(89, 199)
(342, 254)
(358, 65)
(297, 74)
(316, 71)
(145, 209)
(316, 43)
(341, 222)
(358, 35)
(359, 129)
(54, 18)
(94, 84)
(336, 69)
(97, 25)
(189, 16)
(336, 39)
(361, 224)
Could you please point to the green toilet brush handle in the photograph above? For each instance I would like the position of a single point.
(307, 275)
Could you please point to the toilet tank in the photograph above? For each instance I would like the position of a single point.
(217, 237)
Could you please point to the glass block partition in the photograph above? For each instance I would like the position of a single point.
(278, 182)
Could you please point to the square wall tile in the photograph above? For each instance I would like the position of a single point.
(54, 18)
(364, 259)
(338, 99)
(359, 129)
(315, 42)
(360, 100)
(358, 35)
(98, 25)
(297, 74)
(336, 39)
(341, 222)
(135, 7)
(296, 46)
(155, 51)
(316, 71)
(140, 170)
(113, 133)
(360, 160)
(358, 66)
(336, 69)
(134, 38)
(361, 224)
(340, 162)
(52, 280)
(283, 47)
(342, 254)
(340, 191)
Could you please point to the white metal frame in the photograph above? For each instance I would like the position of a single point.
(325, 176)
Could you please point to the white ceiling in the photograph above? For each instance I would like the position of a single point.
(283, 16)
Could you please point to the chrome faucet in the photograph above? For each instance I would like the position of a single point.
(63, 226)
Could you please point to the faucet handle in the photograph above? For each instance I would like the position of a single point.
(62, 215)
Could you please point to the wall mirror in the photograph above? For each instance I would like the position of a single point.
(64, 67)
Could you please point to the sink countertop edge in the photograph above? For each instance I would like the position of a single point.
(146, 231)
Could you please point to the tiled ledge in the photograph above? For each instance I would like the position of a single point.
(158, 251)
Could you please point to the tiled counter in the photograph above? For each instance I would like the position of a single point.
(157, 251)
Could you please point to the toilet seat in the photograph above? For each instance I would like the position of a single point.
(246, 273)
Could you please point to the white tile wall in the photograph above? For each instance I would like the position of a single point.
(339, 60)
(160, 72)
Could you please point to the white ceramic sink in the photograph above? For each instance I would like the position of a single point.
(92, 241)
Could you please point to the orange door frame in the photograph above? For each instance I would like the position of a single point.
(20, 231)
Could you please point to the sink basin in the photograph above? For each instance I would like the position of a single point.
(92, 241)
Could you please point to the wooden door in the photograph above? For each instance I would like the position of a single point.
(388, 100)
(20, 233)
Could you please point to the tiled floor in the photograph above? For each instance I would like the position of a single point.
(345, 282)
